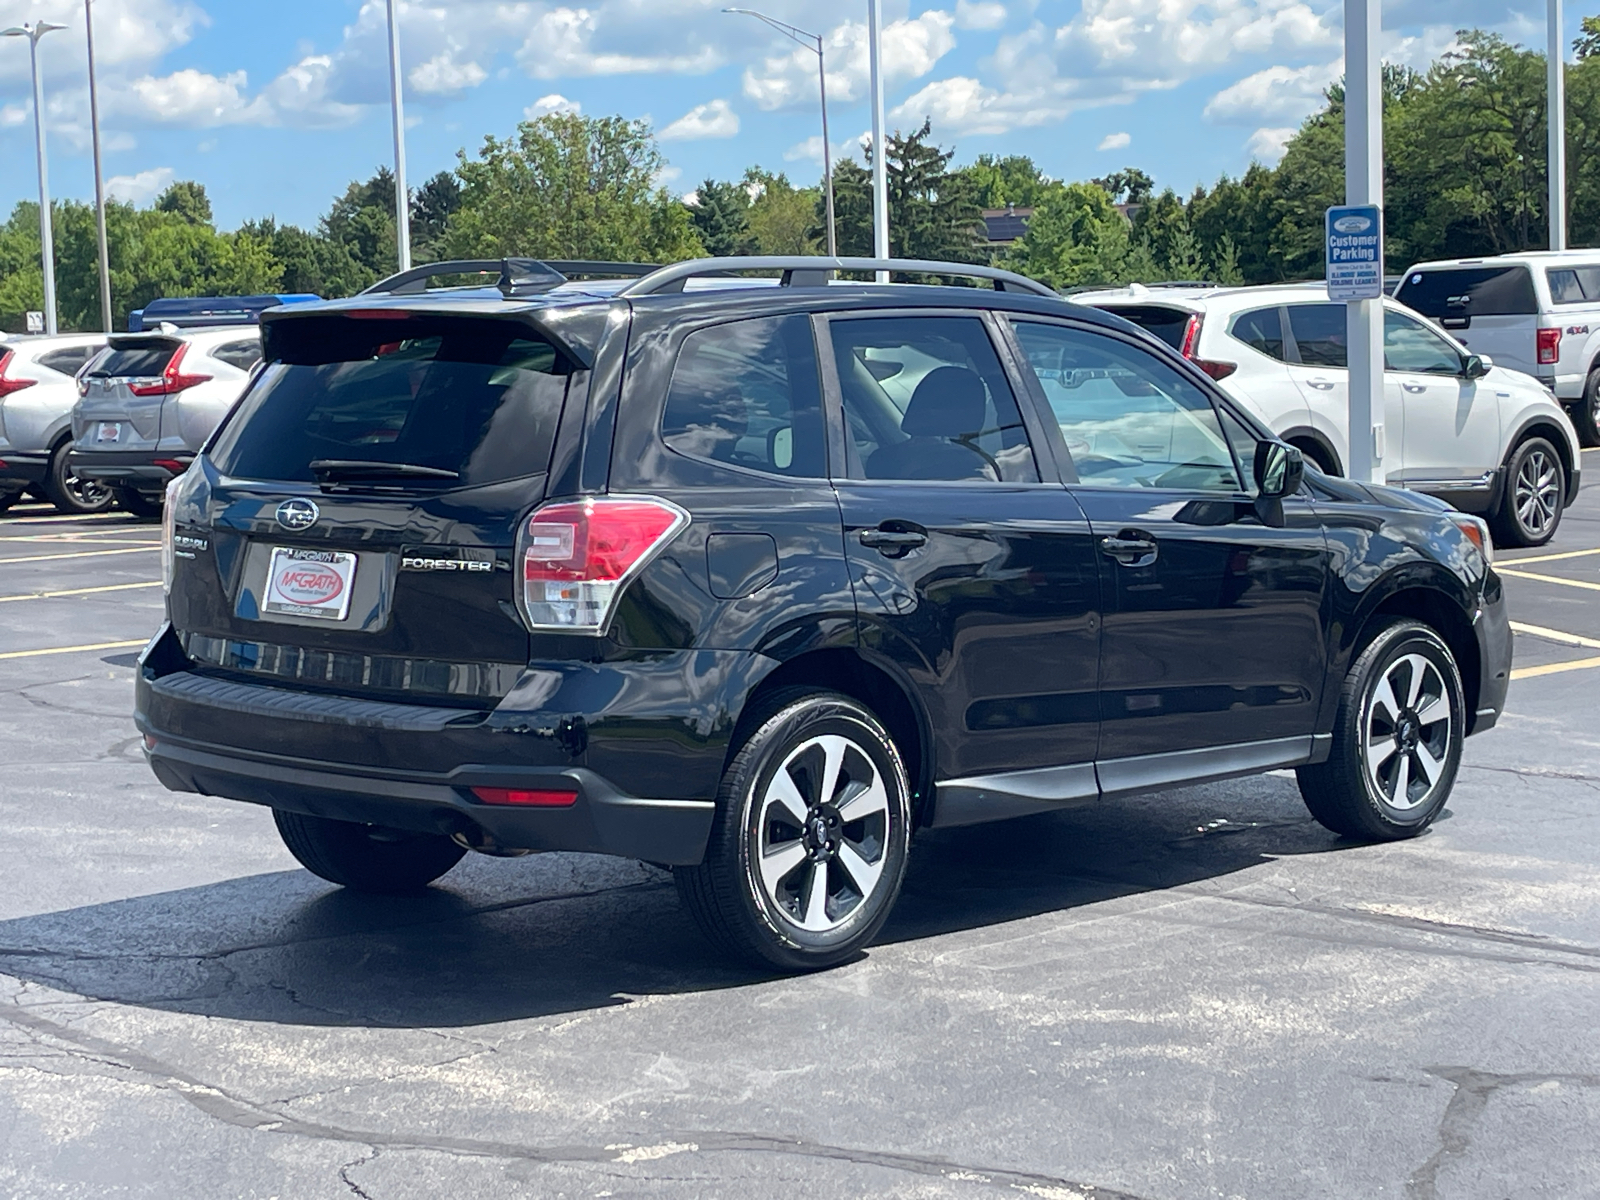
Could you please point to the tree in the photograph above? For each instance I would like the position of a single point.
(721, 216)
(1588, 43)
(1127, 186)
(783, 218)
(431, 207)
(186, 199)
(1014, 179)
(1077, 237)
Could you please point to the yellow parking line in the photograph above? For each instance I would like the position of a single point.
(108, 587)
(1556, 635)
(1522, 562)
(79, 539)
(1536, 577)
(59, 518)
(77, 554)
(1581, 664)
(78, 649)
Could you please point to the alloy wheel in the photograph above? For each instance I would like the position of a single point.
(1537, 492)
(1406, 732)
(823, 833)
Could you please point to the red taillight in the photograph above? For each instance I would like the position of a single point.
(1549, 346)
(170, 464)
(577, 555)
(7, 386)
(1216, 369)
(1191, 336)
(378, 314)
(173, 379)
(531, 797)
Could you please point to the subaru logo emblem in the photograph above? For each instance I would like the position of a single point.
(298, 514)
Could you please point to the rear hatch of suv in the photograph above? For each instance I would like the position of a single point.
(1490, 307)
(122, 393)
(360, 507)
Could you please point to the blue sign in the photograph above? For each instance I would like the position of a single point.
(1355, 252)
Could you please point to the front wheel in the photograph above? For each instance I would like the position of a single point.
(1535, 492)
(1396, 738)
(366, 858)
(812, 830)
(68, 492)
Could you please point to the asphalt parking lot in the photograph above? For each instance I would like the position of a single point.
(1198, 993)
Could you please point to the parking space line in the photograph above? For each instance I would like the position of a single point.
(1556, 635)
(1544, 558)
(1580, 664)
(1538, 578)
(58, 519)
(107, 587)
(86, 649)
(78, 554)
(77, 539)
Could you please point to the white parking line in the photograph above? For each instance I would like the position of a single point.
(76, 539)
(72, 649)
(1538, 578)
(58, 518)
(108, 587)
(77, 554)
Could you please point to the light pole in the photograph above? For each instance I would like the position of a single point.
(813, 42)
(1363, 184)
(402, 201)
(1556, 102)
(47, 247)
(99, 179)
(880, 177)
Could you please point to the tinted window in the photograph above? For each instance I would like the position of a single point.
(1469, 292)
(480, 398)
(1261, 330)
(1410, 345)
(69, 359)
(746, 393)
(134, 362)
(1168, 324)
(1129, 420)
(925, 398)
(1319, 334)
(242, 355)
(1573, 285)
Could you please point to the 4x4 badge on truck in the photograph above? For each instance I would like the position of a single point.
(298, 513)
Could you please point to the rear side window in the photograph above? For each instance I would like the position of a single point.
(746, 394)
(480, 399)
(242, 355)
(1573, 285)
(1168, 324)
(134, 362)
(1320, 334)
(68, 360)
(1456, 292)
(1261, 330)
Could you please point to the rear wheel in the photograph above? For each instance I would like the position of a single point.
(809, 846)
(1535, 493)
(366, 858)
(130, 500)
(1396, 739)
(69, 493)
(1586, 412)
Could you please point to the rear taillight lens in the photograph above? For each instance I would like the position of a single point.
(168, 529)
(577, 556)
(173, 380)
(1191, 336)
(1549, 346)
(7, 386)
(529, 797)
(1215, 369)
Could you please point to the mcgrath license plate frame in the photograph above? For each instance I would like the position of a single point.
(100, 432)
(300, 583)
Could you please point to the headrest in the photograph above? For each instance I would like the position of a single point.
(948, 403)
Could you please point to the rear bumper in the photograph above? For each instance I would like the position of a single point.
(143, 470)
(21, 470)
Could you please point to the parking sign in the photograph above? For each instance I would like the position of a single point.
(1355, 252)
(35, 322)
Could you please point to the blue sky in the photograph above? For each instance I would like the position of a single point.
(276, 107)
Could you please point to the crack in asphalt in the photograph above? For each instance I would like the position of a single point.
(1473, 1090)
(222, 1105)
(344, 1173)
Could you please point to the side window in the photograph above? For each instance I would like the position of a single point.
(1261, 330)
(1319, 333)
(746, 394)
(69, 359)
(242, 355)
(1573, 285)
(1409, 345)
(1129, 420)
(926, 398)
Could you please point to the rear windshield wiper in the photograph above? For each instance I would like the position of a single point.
(355, 470)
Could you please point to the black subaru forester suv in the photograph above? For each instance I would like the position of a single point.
(753, 577)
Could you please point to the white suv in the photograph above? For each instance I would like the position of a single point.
(1487, 439)
(1537, 312)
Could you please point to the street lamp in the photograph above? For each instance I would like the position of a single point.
(402, 201)
(812, 42)
(47, 247)
(880, 152)
(99, 178)
(1556, 104)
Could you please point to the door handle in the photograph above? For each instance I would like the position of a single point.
(1130, 548)
(1415, 387)
(1322, 385)
(893, 542)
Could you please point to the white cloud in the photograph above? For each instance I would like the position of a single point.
(1114, 141)
(553, 103)
(667, 175)
(140, 188)
(304, 95)
(13, 114)
(980, 14)
(442, 73)
(963, 105)
(911, 49)
(810, 150)
(1267, 145)
(560, 44)
(1276, 93)
(713, 120)
(195, 98)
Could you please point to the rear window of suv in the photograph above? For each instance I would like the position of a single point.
(134, 362)
(477, 398)
(1167, 324)
(1486, 291)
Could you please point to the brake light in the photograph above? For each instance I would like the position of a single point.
(1215, 369)
(7, 386)
(168, 530)
(577, 556)
(1549, 346)
(1191, 336)
(531, 797)
(173, 379)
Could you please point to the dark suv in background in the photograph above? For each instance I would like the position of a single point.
(752, 577)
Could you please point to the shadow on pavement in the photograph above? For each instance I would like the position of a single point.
(498, 941)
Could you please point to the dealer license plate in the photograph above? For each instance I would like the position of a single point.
(108, 431)
(310, 583)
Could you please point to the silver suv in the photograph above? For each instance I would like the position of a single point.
(37, 393)
(149, 401)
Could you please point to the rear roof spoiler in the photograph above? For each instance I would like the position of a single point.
(516, 276)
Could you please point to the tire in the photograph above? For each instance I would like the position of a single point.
(1317, 456)
(136, 503)
(774, 805)
(67, 492)
(1586, 413)
(1403, 690)
(1535, 494)
(366, 858)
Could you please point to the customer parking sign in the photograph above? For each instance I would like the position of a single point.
(1355, 252)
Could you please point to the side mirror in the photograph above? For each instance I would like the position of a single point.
(1476, 367)
(1279, 468)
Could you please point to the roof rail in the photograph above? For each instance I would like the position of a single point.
(815, 271)
(518, 276)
